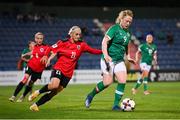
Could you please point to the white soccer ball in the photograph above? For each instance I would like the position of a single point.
(128, 104)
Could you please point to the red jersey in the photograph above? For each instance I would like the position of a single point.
(37, 53)
(69, 54)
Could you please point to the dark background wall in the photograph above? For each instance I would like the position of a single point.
(89, 3)
(92, 12)
(103, 9)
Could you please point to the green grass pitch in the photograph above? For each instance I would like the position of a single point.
(163, 103)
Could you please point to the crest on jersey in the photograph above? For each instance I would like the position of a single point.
(150, 51)
(78, 47)
(41, 49)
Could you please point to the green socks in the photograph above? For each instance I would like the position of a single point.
(138, 84)
(119, 93)
(145, 83)
(99, 87)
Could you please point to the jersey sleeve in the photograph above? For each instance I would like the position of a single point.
(91, 50)
(140, 48)
(24, 51)
(111, 31)
(55, 48)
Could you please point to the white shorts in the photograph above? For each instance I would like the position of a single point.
(144, 66)
(113, 68)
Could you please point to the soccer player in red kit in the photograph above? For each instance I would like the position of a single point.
(24, 65)
(69, 52)
(35, 66)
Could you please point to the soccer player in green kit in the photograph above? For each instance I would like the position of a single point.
(114, 46)
(148, 52)
(26, 50)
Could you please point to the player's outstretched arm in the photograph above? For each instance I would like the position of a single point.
(137, 56)
(23, 56)
(50, 58)
(105, 41)
(155, 58)
(92, 50)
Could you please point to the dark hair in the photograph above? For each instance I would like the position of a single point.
(29, 42)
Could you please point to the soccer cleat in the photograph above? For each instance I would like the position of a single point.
(34, 107)
(33, 95)
(88, 101)
(134, 91)
(116, 108)
(21, 98)
(12, 98)
(146, 92)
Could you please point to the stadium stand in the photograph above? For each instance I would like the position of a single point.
(15, 34)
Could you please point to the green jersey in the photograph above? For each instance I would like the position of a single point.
(147, 52)
(118, 44)
(26, 50)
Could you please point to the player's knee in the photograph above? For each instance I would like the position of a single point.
(122, 81)
(24, 80)
(107, 82)
(55, 86)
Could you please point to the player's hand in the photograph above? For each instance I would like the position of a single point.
(108, 58)
(48, 62)
(131, 60)
(44, 59)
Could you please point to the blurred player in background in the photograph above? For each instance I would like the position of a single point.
(114, 47)
(69, 52)
(148, 52)
(24, 65)
(35, 67)
(25, 59)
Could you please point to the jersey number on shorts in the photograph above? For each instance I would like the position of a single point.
(58, 72)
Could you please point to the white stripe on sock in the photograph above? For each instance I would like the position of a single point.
(119, 92)
(145, 82)
(139, 82)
